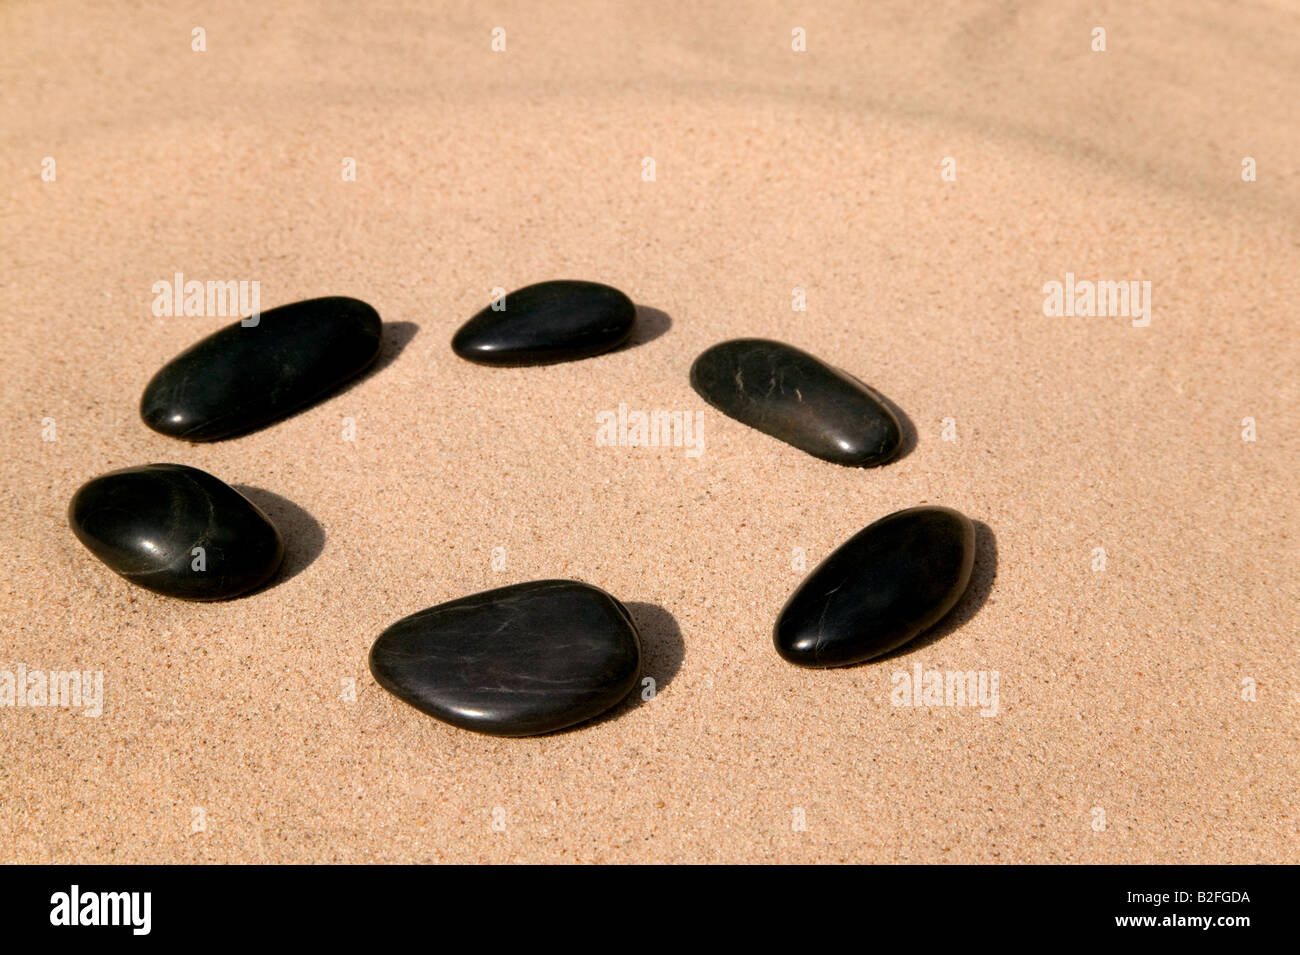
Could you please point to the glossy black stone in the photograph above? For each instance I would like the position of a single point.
(793, 396)
(516, 661)
(145, 523)
(241, 378)
(884, 586)
(548, 322)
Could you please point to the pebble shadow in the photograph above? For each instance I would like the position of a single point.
(662, 647)
(983, 574)
(662, 653)
(650, 324)
(304, 537)
(396, 336)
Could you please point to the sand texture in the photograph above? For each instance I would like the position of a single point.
(1148, 698)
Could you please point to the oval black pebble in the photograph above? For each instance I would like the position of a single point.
(887, 584)
(241, 377)
(548, 322)
(793, 396)
(516, 661)
(146, 522)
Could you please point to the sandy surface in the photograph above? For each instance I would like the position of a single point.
(1120, 689)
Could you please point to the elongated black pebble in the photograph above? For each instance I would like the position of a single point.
(516, 661)
(886, 585)
(547, 322)
(243, 377)
(177, 531)
(793, 396)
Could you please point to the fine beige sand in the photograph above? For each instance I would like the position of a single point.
(1147, 709)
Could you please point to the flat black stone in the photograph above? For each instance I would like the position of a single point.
(793, 396)
(884, 586)
(241, 378)
(548, 322)
(144, 523)
(516, 661)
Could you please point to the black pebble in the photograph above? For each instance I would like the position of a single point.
(241, 378)
(884, 586)
(548, 322)
(145, 522)
(516, 661)
(793, 396)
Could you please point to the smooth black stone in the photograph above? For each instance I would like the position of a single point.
(548, 322)
(144, 523)
(516, 661)
(241, 378)
(793, 396)
(883, 587)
